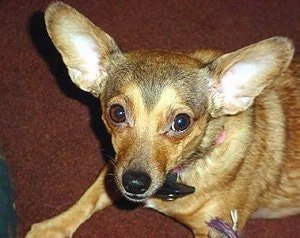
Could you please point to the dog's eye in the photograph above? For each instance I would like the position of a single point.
(117, 113)
(181, 122)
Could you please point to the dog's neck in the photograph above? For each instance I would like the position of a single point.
(219, 139)
(171, 189)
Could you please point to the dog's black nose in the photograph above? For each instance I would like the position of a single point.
(136, 182)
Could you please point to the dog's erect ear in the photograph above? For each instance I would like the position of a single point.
(235, 79)
(86, 50)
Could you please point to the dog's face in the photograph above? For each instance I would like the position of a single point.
(162, 109)
(152, 110)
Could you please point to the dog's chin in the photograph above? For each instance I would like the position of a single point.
(138, 198)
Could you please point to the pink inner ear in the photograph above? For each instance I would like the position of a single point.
(87, 54)
(239, 80)
(239, 86)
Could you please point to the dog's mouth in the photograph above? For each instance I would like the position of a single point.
(136, 198)
(169, 191)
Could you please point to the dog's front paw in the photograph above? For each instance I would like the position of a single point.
(48, 230)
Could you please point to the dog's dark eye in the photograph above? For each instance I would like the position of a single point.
(117, 113)
(181, 122)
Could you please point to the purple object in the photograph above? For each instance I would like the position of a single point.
(223, 228)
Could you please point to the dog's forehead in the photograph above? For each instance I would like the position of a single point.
(155, 74)
(165, 103)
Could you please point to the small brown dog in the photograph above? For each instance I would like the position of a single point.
(196, 135)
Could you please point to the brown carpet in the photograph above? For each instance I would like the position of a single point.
(51, 131)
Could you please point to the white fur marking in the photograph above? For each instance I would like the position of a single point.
(268, 213)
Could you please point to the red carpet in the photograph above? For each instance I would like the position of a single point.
(51, 132)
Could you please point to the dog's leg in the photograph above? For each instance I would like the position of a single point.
(65, 224)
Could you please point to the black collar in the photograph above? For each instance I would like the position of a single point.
(172, 190)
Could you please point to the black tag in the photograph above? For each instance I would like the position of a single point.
(172, 190)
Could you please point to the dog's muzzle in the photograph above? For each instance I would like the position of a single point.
(137, 183)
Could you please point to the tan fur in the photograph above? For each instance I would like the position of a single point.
(249, 95)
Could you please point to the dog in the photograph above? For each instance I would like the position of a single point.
(196, 135)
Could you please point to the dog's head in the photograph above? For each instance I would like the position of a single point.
(161, 108)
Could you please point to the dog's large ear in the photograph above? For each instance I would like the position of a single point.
(235, 79)
(86, 50)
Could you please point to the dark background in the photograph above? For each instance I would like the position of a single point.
(51, 132)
